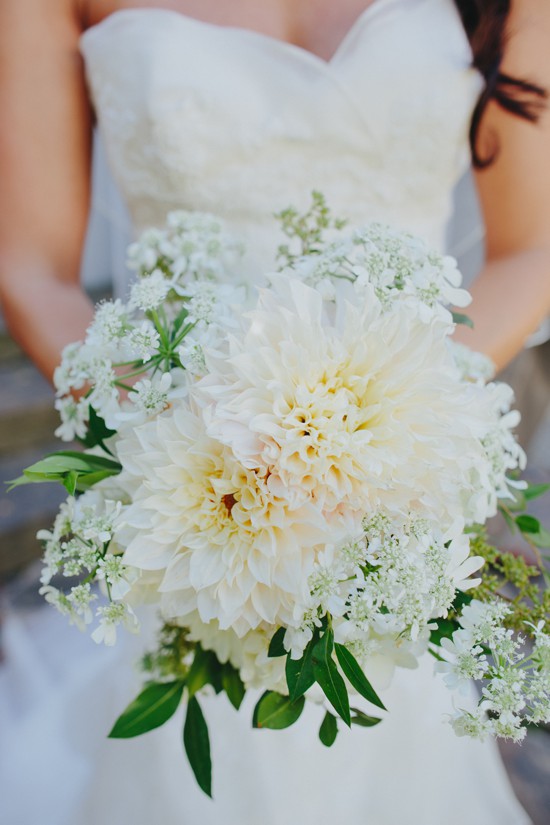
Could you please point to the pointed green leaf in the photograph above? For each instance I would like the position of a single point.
(528, 524)
(360, 718)
(69, 482)
(327, 676)
(535, 490)
(154, 705)
(205, 670)
(257, 707)
(199, 672)
(328, 730)
(58, 467)
(460, 318)
(541, 538)
(276, 711)
(233, 685)
(276, 647)
(98, 431)
(356, 677)
(299, 672)
(197, 745)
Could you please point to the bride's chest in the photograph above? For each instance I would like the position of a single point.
(318, 26)
(228, 120)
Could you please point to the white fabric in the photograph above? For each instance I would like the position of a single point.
(202, 117)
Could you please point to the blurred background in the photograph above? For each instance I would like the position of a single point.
(28, 421)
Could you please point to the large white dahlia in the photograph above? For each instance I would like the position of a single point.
(316, 416)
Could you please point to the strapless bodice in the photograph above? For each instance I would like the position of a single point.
(226, 120)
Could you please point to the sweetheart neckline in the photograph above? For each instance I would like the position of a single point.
(284, 45)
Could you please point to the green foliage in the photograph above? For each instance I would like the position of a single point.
(444, 630)
(233, 685)
(98, 432)
(535, 491)
(364, 721)
(205, 670)
(328, 678)
(328, 730)
(512, 578)
(306, 231)
(76, 471)
(172, 657)
(151, 709)
(460, 318)
(277, 711)
(356, 677)
(197, 745)
(276, 647)
(299, 672)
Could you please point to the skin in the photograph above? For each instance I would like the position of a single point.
(45, 146)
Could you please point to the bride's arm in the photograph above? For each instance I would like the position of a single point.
(45, 125)
(512, 293)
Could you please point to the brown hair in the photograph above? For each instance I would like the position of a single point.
(485, 22)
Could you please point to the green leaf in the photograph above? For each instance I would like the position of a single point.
(154, 705)
(276, 647)
(528, 524)
(85, 481)
(69, 482)
(444, 630)
(205, 670)
(197, 745)
(364, 721)
(299, 672)
(541, 538)
(327, 676)
(276, 711)
(356, 677)
(178, 322)
(257, 707)
(233, 685)
(328, 730)
(97, 432)
(60, 465)
(460, 318)
(535, 490)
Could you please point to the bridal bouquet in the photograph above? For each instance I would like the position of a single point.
(296, 476)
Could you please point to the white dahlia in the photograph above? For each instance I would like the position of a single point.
(229, 546)
(361, 412)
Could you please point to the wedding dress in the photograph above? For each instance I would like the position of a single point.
(229, 121)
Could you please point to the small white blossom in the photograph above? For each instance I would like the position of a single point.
(110, 617)
(74, 418)
(144, 340)
(80, 597)
(112, 570)
(150, 291)
(151, 396)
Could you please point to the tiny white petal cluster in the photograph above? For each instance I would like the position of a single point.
(78, 546)
(150, 292)
(515, 684)
(394, 265)
(193, 246)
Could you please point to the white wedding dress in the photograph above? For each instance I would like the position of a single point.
(207, 118)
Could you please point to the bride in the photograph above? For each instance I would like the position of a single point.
(242, 109)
